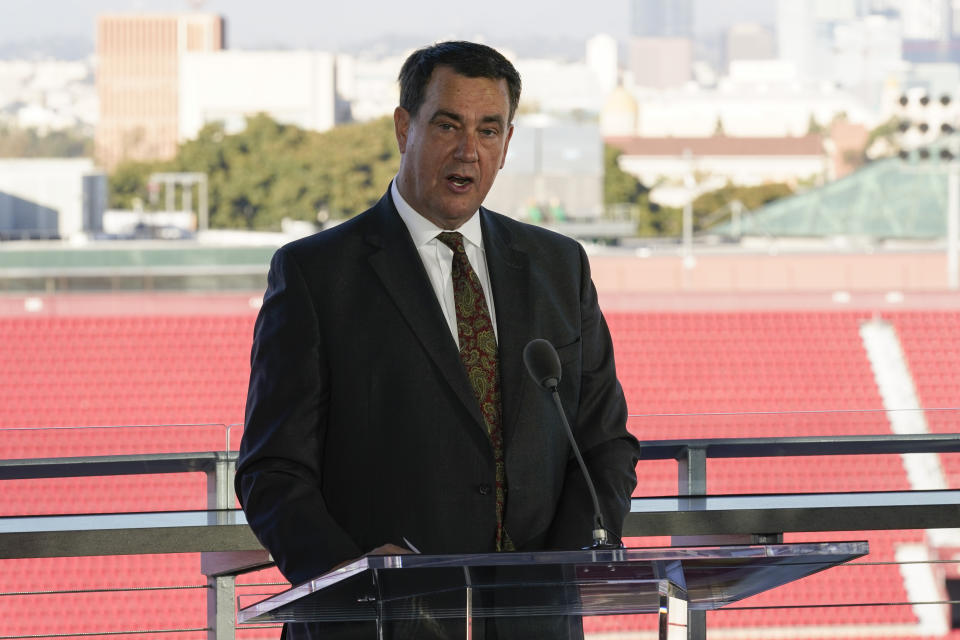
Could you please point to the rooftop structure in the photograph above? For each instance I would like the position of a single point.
(50, 198)
(889, 198)
(682, 168)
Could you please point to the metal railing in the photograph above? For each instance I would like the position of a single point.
(690, 516)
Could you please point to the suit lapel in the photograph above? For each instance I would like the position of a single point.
(510, 280)
(399, 267)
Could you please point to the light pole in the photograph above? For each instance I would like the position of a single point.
(953, 222)
(923, 134)
(690, 183)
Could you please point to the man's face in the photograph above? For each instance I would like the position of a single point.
(454, 146)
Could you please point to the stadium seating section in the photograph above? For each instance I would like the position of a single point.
(685, 374)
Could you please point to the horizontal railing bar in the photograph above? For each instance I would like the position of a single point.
(5, 430)
(111, 465)
(779, 501)
(836, 605)
(35, 468)
(795, 412)
(124, 521)
(802, 446)
(751, 514)
(125, 534)
(59, 592)
(85, 634)
(227, 530)
(12, 273)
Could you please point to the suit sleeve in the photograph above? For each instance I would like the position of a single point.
(279, 474)
(609, 450)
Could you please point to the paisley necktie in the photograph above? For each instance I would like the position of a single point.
(478, 351)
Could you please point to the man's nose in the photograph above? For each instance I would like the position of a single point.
(467, 149)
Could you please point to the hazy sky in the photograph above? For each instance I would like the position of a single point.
(328, 24)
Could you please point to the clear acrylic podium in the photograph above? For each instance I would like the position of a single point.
(666, 580)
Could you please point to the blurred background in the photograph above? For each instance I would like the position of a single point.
(769, 192)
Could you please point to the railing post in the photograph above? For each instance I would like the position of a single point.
(221, 618)
(221, 589)
(220, 482)
(692, 481)
(692, 472)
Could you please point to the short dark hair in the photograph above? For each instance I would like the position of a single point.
(466, 58)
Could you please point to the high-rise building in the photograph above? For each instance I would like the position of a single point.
(867, 54)
(927, 19)
(659, 63)
(138, 81)
(661, 46)
(836, 10)
(662, 18)
(795, 33)
(228, 86)
(602, 61)
(749, 41)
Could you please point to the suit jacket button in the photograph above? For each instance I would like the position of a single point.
(484, 489)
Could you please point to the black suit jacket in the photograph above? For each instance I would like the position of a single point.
(362, 428)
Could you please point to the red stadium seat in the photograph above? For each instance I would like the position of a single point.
(68, 371)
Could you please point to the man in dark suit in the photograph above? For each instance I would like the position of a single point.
(388, 399)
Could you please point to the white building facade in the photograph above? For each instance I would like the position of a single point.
(293, 87)
(679, 169)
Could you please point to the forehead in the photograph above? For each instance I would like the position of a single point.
(448, 89)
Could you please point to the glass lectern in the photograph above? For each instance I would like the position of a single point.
(668, 580)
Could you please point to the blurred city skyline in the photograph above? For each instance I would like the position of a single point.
(292, 24)
(690, 96)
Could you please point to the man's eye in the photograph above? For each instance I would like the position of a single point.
(489, 132)
(446, 126)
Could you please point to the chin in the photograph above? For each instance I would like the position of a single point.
(460, 211)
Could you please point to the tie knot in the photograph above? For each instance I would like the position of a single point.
(453, 239)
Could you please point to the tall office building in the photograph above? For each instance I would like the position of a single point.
(661, 43)
(662, 18)
(228, 86)
(138, 79)
(602, 61)
(837, 10)
(795, 33)
(659, 63)
(927, 19)
(749, 41)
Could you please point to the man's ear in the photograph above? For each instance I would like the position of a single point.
(506, 145)
(401, 123)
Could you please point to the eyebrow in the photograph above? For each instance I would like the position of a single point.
(443, 113)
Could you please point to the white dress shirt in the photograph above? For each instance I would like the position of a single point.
(438, 258)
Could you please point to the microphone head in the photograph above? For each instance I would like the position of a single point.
(542, 363)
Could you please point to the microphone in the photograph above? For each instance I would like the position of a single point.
(543, 365)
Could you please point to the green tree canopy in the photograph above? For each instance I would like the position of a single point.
(620, 189)
(29, 143)
(713, 207)
(271, 171)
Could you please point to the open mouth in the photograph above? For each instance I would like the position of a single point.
(458, 180)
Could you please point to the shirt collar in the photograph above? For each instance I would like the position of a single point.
(424, 231)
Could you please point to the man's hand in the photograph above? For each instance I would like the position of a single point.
(388, 549)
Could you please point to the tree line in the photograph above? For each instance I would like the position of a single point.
(270, 171)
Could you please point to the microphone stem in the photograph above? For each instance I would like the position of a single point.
(598, 516)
